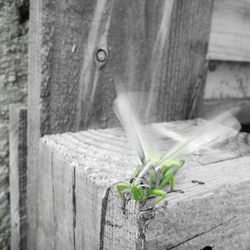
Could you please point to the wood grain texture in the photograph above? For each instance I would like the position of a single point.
(221, 105)
(227, 87)
(230, 31)
(90, 164)
(227, 80)
(211, 218)
(18, 175)
(33, 133)
(56, 219)
(64, 72)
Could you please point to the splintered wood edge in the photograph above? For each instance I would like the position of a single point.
(101, 159)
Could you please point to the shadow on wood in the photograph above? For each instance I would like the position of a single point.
(18, 175)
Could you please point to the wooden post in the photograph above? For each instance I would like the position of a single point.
(84, 46)
(79, 207)
(78, 48)
(18, 177)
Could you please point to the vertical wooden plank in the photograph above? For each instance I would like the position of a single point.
(45, 222)
(130, 35)
(157, 48)
(18, 176)
(33, 133)
(68, 73)
(64, 202)
(56, 220)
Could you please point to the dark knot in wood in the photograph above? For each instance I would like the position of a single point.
(101, 57)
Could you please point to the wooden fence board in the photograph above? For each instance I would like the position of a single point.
(227, 80)
(227, 87)
(45, 198)
(125, 29)
(100, 158)
(18, 175)
(55, 203)
(230, 31)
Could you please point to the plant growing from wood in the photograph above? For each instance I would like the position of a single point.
(154, 173)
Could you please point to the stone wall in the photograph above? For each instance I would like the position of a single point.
(13, 88)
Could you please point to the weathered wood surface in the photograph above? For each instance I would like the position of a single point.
(200, 217)
(79, 209)
(227, 87)
(18, 177)
(136, 35)
(33, 131)
(230, 31)
(69, 35)
(227, 80)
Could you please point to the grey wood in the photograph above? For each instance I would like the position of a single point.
(227, 80)
(230, 31)
(55, 203)
(209, 106)
(64, 39)
(90, 210)
(18, 175)
(227, 87)
(33, 133)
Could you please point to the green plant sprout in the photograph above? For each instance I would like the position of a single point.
(154, 173)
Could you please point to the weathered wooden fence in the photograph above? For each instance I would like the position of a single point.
(77, 51)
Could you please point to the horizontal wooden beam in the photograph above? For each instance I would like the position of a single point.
(220, 105)
(230, 31)
(227, 80)
(78, 207)
(227, 87)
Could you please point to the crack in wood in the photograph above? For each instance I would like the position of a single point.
(109, 223)
(74, 206)
(53, 197)
(198, 92)
(223, 160)
(103, 217)
(200, 234)
(144, 216)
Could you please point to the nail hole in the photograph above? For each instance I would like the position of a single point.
(198, 182)
(212, 66)
(207, 248)
(23, 12)
(101, 55)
